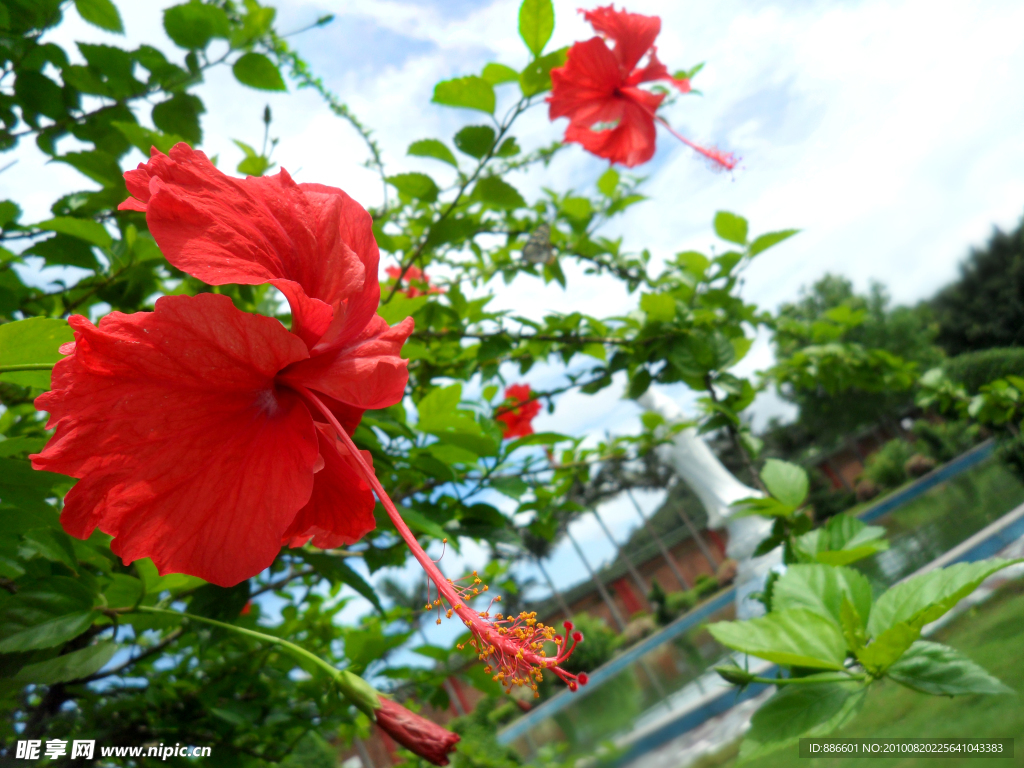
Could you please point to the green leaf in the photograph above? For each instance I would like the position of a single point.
(418, 186)
(401, 307)
(794, 637)
(843, 540)
(536, 76)
(495, 192)
(475, 140)
(71, 666)
(35, 341)
(496, 74)
(220, 603)
(15, 446)
(608, 182)
(100, 13)
(538, 438)
(924, 598)
(144, 139)
(422, 524)
(483, 681)
(84, 229)
(98, 166)
(435, 652)
(192, 25)
(536, 23)
(731, 227)
(53, 545)
(764, 242)
(821, 589)
(258, 71)
(786, 482)
(639, 383)
(469, 92)
(180, 115)
(800, 711)
(508, 148)
(336, 570)
(124, 591)
(942, 671)
(659, 307)
(435, 149)
(877, 655)
(45, 613)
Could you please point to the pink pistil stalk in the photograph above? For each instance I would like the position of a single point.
(724, 159)
(512, 647)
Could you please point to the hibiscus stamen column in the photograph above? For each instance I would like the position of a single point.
(513, 647)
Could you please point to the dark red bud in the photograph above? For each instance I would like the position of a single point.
(417, 734)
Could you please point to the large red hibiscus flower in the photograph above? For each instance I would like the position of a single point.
(190, 427)
(598, 89)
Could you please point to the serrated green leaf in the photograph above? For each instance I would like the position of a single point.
(52, 544)
(475, 140)
(193, 25)
(821, 590)
(469, 92)
(418, 186)
(880, 652)
(764, 242)
(435, 149)
(496, 74)
(100, 13)
(608, 182)
(84, 229)
(922, 599)
(731, 227)
(338, 571)
(98, 166)
(495, 192)
(800, 711)
(659, 307)
(123, 591)
(71, 666)
(45, 613)
(795, 637)
(939, 670)
(536, 23)
(786, 482)
(258, 71)
(35, 341)
(536, 76)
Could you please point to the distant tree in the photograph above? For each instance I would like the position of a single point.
(831, 312)
(985, 307)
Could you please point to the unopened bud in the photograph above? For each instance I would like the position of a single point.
(417, 734)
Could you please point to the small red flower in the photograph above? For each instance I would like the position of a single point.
(190, 427)
(417, 282)
(519, 412)
(598, 90)
(417, 734)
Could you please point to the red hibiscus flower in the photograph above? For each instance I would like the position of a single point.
(598, 90)
(520, 411)
(190, 427)
(417, 282)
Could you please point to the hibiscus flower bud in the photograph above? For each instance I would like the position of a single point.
(417, 734)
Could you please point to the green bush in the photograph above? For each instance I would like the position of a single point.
(975, 369)
(598, 646)
(669, 606)
(885, 468)
(946, 440)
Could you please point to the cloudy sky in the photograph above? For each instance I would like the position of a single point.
(888, 131)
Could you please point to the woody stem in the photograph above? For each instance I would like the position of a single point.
(353, 687)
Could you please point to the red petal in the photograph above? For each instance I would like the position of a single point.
(257, 230)
(585, 83)
(366, 373)
(340, 510)
(186, 450)
(633, 33)
(630, 143)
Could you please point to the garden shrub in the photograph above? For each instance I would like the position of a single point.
(886, 467)
(975, 369)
